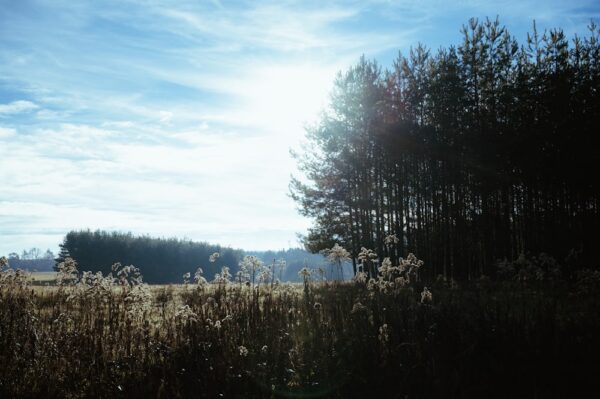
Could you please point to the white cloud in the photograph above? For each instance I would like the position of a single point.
(273, 26)
(17, 107)
(211, 188)
(6, 132)
(165, 116)
(50, 115)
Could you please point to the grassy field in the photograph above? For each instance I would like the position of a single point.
(98, 336)
(43, 277)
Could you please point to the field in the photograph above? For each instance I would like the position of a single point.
(99, 336)
(41, 278)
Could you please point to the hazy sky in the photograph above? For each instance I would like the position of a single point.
(176, 118)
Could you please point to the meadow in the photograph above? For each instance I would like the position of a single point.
(43, 278)
(250, 336)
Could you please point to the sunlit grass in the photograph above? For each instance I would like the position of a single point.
(43, 277)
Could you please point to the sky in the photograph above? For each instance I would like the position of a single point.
(175, 118)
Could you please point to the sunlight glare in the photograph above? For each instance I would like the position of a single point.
(287, 97)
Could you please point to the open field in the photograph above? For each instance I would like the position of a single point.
(100, 337)
(43, 277)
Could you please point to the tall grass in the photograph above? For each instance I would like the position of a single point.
(113, 336)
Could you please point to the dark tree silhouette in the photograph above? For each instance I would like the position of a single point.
(160, 260)
(470, 155)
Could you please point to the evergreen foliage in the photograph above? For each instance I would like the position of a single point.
(160, 260)
(469, 155)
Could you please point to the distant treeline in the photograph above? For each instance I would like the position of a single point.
(161, 260)
(297, 258)
(33, 260)
(469, 154)
(32, 265)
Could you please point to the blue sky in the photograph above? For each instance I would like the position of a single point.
(176, 118)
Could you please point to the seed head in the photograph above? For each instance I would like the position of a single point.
(426, 296)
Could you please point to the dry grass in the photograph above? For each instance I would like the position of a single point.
(43, 277)
(98, 336)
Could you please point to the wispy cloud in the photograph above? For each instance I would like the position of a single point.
(6, 132)
(17, 107)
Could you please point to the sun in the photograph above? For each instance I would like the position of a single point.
(288, 96)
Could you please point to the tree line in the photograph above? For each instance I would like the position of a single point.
(294, 260)
(469, 154)
(33, 259)
(164, 261)
(160, 260)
